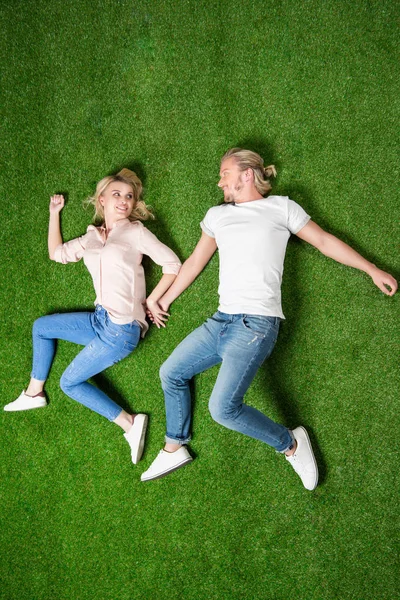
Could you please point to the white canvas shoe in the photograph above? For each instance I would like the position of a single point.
(135, 437)
(303, 460)
(24, 402)
(166, 462)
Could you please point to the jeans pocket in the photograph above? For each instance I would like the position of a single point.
(126, 343)
(259, 325)
(116, 329)
(131, 335)
(125, 336)
(218, 317)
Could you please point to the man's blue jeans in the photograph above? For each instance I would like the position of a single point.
(105, 343)
(240, 343)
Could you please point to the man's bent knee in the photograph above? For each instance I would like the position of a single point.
(169, 377)
(67, 383)
(223, 413)
(163, 372)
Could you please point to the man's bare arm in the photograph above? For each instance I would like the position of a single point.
(190, 269)
(334, 248)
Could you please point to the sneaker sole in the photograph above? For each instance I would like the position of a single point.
(313, 457)
(136, 454)
(12, 409)
(160, 475)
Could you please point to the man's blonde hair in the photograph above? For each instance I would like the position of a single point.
(247, 159)
(139, 212)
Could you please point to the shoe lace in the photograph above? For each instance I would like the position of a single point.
(296, 463)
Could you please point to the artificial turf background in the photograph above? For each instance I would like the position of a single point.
(165, 88)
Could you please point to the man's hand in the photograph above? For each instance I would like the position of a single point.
(384, 281)
(157, 313)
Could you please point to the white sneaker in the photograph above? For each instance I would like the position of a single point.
(24, 402)
(135, 437)
(303, 460)
(166, 462)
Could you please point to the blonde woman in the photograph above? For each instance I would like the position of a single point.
(113, 253)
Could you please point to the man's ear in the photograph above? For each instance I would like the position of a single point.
(248, 174)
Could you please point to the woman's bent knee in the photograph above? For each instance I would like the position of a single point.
(37, 326)
(67, 384)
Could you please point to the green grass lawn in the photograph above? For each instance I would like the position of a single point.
(166, 87)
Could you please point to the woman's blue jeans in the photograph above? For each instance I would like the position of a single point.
(106, 343)
(240, 343)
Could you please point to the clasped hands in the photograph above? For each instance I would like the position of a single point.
(156, 312)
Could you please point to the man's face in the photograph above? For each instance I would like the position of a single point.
(231, 180)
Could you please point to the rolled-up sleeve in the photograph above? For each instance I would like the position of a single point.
(71, 251)
(159, 252)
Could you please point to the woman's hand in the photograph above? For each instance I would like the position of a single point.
(156, 312)
(56, 204)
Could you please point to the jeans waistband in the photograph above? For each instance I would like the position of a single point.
(235, 317)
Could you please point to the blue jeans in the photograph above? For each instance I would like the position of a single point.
(105, 343)
(240, 343)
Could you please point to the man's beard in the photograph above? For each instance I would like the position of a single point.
(230, 197)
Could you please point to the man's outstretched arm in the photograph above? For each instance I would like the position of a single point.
(331, 246)
(190, 269)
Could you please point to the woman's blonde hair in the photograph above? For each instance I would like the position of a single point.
(139, 212)
(247, 159)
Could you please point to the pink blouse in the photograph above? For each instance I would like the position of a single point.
(115, 265)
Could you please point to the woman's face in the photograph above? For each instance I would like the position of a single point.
(117, 201)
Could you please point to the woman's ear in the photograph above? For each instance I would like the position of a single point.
(101, 200)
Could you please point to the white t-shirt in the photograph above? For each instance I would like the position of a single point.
(252, 239)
